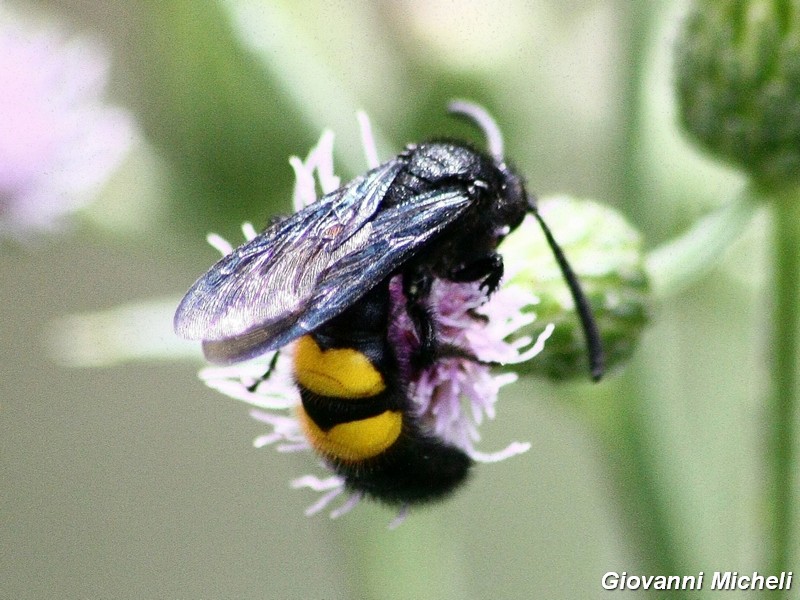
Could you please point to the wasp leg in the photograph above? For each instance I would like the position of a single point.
(270, 368)
(416, 287)
(488, 270)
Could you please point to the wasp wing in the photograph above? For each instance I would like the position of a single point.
(395, 234)
(271, 278)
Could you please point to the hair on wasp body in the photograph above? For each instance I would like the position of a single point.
(321, 278)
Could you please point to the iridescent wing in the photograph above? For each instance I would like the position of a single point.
(272, 278)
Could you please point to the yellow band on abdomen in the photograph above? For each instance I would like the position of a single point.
(336, 372)
(355, 440)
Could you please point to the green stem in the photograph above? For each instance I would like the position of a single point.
(786, 319)
(678, 263)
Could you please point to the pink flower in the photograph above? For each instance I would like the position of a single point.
(58, 141)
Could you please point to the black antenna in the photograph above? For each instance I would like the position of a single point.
(594, 345)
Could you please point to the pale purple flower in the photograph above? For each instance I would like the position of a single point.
(59, 142)
(453, 397)
(456, 393)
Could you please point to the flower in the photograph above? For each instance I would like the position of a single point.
(453, 397)
(477, 326)
(738, 85)
(59, 142)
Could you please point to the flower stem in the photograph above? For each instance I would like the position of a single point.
(683, 260)
(785, 322)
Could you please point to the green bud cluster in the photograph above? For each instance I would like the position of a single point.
(605, 253)
(737, 74)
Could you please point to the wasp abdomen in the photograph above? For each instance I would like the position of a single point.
(356, 412)
(345, 411)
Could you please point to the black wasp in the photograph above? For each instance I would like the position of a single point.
(320, 277)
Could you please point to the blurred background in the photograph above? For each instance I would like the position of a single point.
(130, 479)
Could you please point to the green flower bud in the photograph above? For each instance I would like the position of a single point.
(737, 71)
(605, 253)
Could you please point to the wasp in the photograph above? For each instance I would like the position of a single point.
(320, 278)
